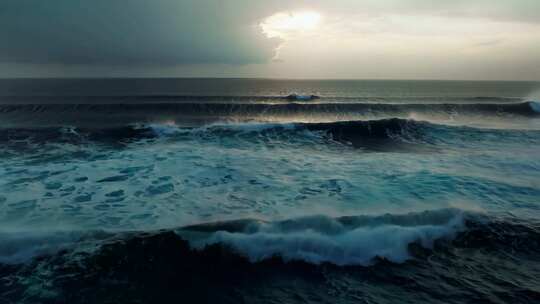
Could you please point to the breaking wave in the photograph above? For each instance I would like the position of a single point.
(320, 253)
(349, 240)
(341, 241)
(393, 134)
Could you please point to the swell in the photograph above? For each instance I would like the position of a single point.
(377, 134)
(174, 98)
(392, 134)
(524, 108)
(96, 115)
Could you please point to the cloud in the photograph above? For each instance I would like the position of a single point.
(125, 32)
(207, 38)
(176, 32)
(497, 10)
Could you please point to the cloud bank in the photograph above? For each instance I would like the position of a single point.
(125, 32)
(459, 39)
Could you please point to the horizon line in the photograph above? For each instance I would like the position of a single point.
(257, 78)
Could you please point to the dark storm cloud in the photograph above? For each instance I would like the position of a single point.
(125, 32)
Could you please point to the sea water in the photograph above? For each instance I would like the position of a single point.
(437, 181)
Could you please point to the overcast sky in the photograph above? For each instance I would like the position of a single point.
(397, 39)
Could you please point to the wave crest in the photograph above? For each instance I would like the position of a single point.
(341, 241)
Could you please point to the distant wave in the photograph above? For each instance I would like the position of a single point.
(197, 114)
(394, 134)
(385, 134)
(172, 98)
(523, 108)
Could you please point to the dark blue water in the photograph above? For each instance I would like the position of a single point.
(163, 190)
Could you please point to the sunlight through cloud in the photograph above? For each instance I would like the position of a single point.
(287, 24)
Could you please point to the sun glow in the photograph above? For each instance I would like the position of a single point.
(284, 25)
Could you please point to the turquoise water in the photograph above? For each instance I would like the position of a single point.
(187, 176)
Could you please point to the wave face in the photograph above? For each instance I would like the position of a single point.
(145, 191)
(535, 106)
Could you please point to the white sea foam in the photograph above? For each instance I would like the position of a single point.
(71, 130)
(170, 129)
(534, 100)
(321, 239)
(166, 128)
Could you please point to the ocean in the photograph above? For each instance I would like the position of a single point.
(238, 191)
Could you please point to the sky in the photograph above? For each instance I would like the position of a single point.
(343, 39)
